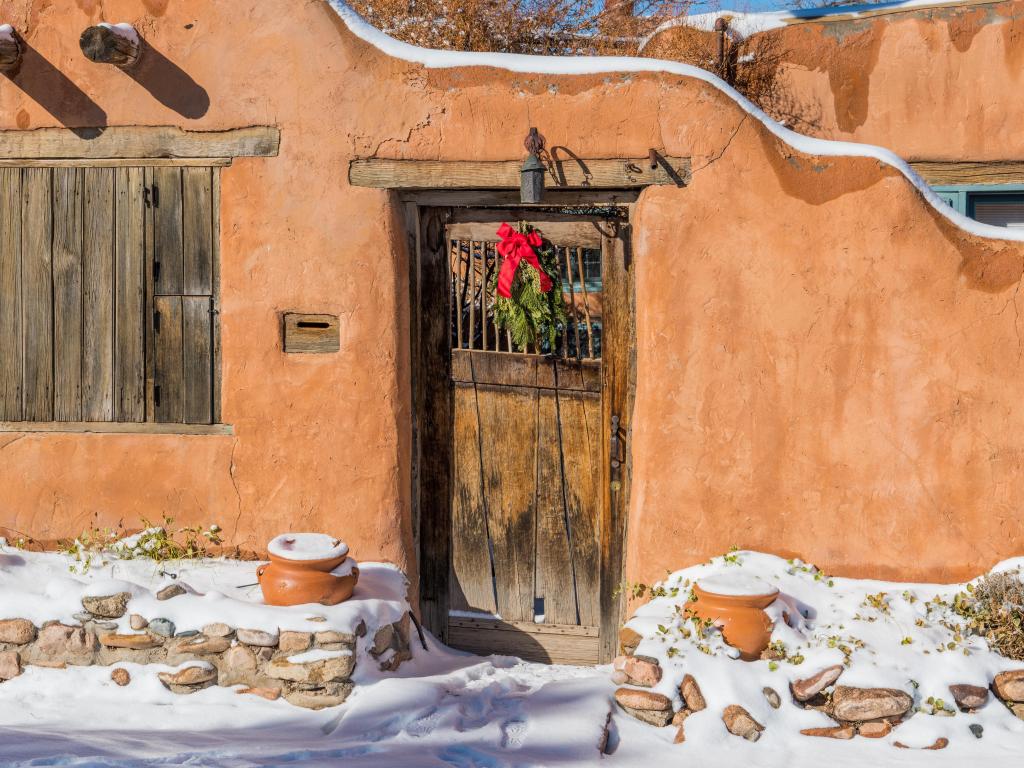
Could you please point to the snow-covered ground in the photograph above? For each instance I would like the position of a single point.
(446, 708)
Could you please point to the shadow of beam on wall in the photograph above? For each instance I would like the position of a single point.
(54, 92)
(169, 84)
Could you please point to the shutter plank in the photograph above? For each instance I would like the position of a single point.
(167, 242)
(97, 296)
(129, 370)
(197, 231)
(197, 359)
(167, 351)
(11, 337)
(67, 294)
(37, 293)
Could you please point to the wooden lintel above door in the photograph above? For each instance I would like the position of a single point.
(563, 173)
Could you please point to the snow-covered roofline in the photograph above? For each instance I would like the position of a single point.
(745, 24)
(595, 65)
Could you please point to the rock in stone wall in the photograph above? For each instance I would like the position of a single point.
(308, 669)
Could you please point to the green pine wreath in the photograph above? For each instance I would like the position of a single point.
(531, 316)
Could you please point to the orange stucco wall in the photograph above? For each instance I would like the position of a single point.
(825, 367)
(932, 83)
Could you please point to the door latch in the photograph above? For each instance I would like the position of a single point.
(615, 456)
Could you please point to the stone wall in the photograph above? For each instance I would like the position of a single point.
(309, 669)
(867, 712)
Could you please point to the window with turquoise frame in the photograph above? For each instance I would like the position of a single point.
(999, 204)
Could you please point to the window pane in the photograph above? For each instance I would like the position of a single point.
(1000, 210)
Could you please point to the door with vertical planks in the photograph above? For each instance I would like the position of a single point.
(525, 437)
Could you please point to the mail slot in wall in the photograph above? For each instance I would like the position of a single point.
(310, 333)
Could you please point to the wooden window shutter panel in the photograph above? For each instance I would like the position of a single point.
(37, 293)
(197, 359)
(98, 296)
(11, 335)
(197, 231)
(165, 197)
(183, 329)
(67, 294)
(183, 359)
(129, 305)
(168, 388)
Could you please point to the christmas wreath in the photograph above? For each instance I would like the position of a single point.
(524, 303)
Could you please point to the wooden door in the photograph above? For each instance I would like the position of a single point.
(531, 490)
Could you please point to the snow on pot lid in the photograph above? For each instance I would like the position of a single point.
(307, 546)
(736, 585)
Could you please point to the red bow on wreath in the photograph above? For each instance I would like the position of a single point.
(514, 247)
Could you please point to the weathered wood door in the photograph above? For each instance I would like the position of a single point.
(530, 444)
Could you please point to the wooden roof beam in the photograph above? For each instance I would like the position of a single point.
(117, 44)
(10, 49)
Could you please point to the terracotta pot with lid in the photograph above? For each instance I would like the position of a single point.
(307, 568)
(736, 606)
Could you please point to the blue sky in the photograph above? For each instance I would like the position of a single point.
(746, 5)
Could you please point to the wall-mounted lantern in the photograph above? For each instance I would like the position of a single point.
(117, 44)
(10, 48)
(531, 175)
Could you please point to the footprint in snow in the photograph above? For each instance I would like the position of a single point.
(425, 724)
(512, 733)
(477, 713)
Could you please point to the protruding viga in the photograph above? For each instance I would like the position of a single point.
(117, 44)
(10, 49)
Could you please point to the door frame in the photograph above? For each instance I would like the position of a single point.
(426, 213)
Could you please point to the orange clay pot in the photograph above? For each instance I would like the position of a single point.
(743, 622)
(296, 582)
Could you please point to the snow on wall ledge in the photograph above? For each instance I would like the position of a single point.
(746, 23)
(594, 65)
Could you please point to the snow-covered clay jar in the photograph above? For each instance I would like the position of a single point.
(307, 568)
(736, 605)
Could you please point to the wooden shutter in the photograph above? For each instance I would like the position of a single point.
(183, 295)
(89, 258)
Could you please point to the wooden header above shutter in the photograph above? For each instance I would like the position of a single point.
(145, 144)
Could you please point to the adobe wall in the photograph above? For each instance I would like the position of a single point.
(824, 366)
(929, 84)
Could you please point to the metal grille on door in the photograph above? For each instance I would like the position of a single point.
(473, 264)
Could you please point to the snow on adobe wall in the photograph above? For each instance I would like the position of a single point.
(890, 76)
(590, 65)
(747, 23)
